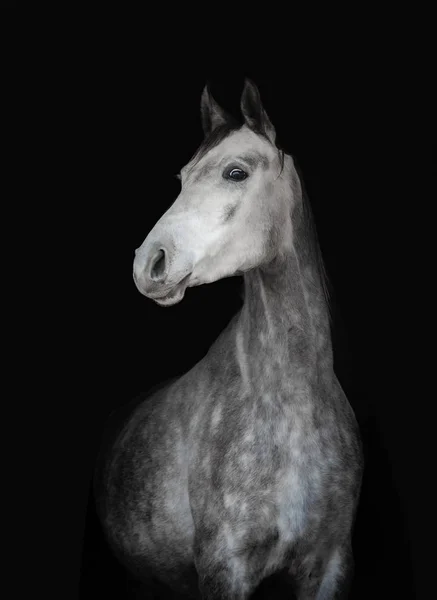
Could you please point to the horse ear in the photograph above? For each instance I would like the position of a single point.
(211, 113)
(254, 114)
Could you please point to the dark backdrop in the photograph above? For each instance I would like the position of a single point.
(137, 126)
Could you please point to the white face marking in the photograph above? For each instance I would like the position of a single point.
(202, 244)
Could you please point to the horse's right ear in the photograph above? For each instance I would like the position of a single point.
(254, 114)
(211, 113)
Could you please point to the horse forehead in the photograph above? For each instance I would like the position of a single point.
(239, 143)
(242, 140)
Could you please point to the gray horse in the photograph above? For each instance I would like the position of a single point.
(251, 462)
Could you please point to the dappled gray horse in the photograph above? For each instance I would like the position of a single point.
(250, 463)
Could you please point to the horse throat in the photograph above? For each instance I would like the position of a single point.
(284, 321)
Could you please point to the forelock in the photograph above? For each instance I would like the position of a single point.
(214, 139)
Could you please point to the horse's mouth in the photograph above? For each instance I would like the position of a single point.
(174, 296)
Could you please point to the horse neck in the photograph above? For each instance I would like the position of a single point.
(285, 315)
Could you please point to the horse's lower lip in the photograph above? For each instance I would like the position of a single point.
(166, 296)
(173, 298)
(173, 292)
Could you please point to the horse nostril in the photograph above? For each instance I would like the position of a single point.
(157, 268)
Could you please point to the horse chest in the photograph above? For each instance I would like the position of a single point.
(259, 464)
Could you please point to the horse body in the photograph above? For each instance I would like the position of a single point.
(250, 463)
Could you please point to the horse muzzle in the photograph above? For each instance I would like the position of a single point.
(156, 279)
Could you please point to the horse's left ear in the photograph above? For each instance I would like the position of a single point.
(253, 112)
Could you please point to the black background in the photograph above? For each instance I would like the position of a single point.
(134, 124)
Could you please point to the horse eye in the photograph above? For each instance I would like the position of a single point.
(235, 175)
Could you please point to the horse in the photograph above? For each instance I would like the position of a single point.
(250, 463)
